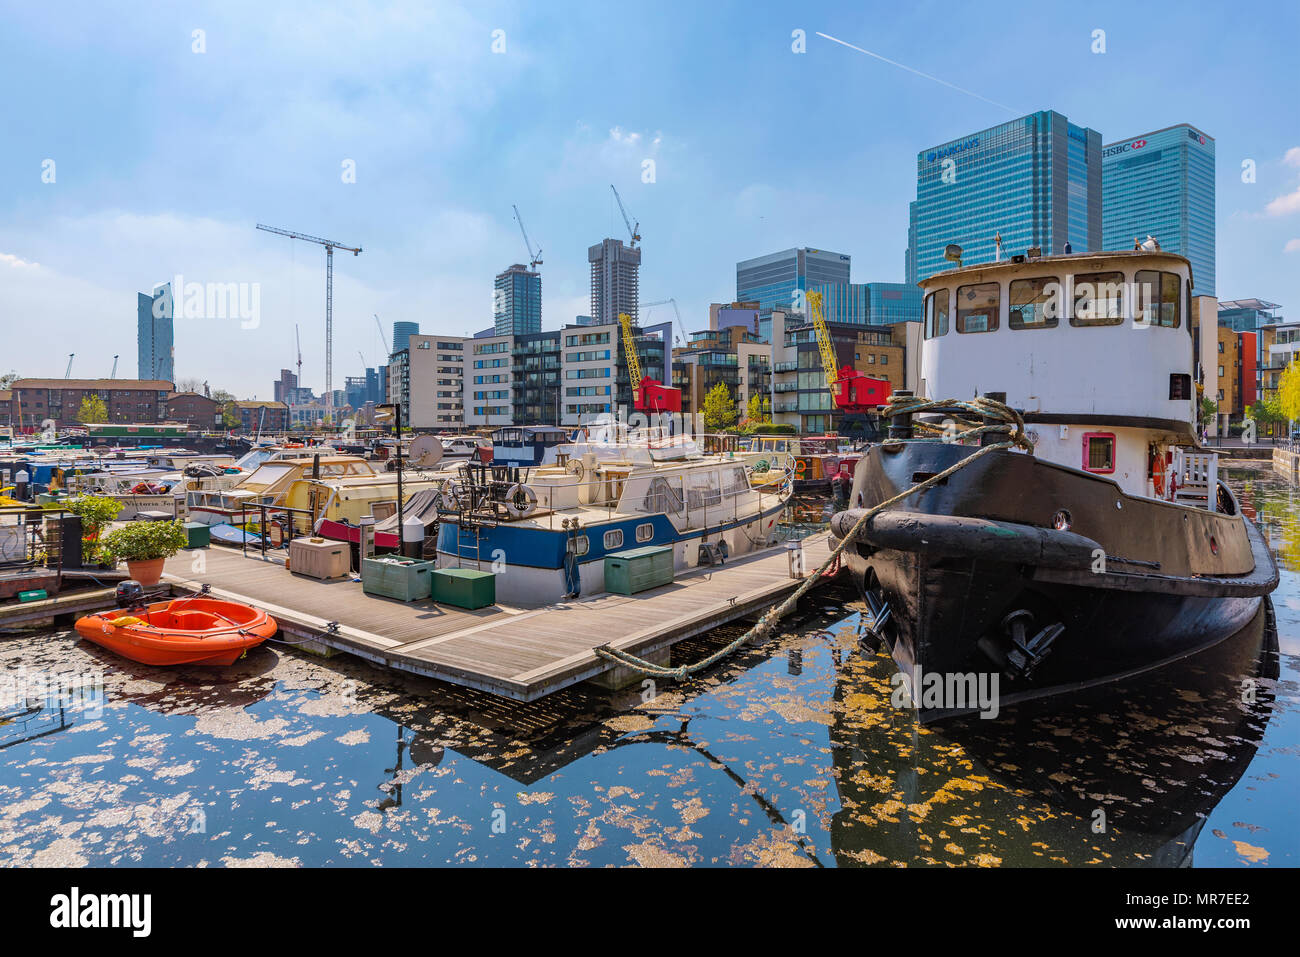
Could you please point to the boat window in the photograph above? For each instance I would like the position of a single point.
(663, 496)
(1159, 293)
(977, 307)
(702, 489)
(581, 545)
(1098, 299)
(734, 481)
(1035, 303)
(645, 532)
(936, 314)
(613, 539)
(1099, 452)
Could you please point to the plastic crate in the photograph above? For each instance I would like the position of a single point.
(464, 587)
(403, 579)
(638, 569)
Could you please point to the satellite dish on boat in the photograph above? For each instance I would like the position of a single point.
(426, 452)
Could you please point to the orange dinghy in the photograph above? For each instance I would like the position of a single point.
(184, 631)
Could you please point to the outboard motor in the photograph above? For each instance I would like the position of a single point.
(130, 594)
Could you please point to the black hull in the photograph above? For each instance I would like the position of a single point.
(957, 564)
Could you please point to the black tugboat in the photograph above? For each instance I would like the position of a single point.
(1109, 549)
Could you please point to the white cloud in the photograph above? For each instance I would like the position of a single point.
(1292, 157)
(1284, 205)
(11, 260)
(1292, 246)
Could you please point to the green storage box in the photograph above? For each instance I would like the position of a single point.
(403, 579)
(637, 569)
(197, 535)
(464, 587)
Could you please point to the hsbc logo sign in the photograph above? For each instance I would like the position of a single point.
(1193, 135)
(1123, 148)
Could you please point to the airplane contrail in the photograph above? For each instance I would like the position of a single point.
(903, 66)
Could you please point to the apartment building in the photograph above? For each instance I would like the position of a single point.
(126, 400)
(435, 383)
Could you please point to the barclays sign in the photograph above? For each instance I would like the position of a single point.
(954, 148)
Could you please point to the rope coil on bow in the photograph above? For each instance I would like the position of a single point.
(994, 418)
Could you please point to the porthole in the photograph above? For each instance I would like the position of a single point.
(613, 539)
(645, 532)
(581, 544)
(1061, 520)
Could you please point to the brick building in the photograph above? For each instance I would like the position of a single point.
(194, 409)
(127, 400)
(252, 419)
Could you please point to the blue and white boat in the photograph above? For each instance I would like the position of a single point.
(546, 531)
(527, 446)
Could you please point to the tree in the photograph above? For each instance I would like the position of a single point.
(226, 406)
(8, 379)
(719, 408)
(1208, 409)
(1266, 412)
(1288, 392)
(190, 384)
(92, 409)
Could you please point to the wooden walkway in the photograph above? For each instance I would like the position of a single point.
(522, 654)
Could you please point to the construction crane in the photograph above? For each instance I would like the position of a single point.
(666, 302)
(648, 395)
(382, 340)
(852, 392)
(298, 339)
(113, 374)
(534, 258)
(330, 246)
(68, 372)
(631, 230)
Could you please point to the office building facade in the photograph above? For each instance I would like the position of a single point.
(155, 334)
(615, 280)
(776, 281)
(1161, 184)
(1036, 181)
(402, 332)
(517, 302)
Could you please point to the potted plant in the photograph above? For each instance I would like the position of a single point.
(145, 547)
(96, 512)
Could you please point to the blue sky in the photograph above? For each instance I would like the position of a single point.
(165, 159)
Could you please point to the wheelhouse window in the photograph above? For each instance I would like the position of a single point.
(1160, 293)
(1035, 303)
(1099, 452)
(977, 307)
(936, 314)
(1098, 299)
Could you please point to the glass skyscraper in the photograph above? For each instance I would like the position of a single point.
(772, 280)
(1036, 181)
(1161, 184)
(402, 332)
(894, 302)
(517, 302)
(154, 334)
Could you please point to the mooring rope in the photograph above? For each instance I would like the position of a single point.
(994, 418)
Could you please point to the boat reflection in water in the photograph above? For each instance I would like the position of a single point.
(1124, 775)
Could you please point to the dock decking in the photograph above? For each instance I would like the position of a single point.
(522, 654)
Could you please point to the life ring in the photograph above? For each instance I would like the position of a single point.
(1158, 473)
(513, 495)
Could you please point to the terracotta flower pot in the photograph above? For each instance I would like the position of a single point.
(147, 573)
